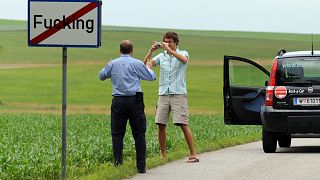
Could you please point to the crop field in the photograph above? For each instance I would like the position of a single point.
(30, 143)
(30, 99)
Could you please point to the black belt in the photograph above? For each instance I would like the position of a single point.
(134, 96)
(138, 96)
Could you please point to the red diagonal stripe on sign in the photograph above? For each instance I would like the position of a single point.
(49, 32)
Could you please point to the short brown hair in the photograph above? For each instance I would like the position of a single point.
(126, 47)
(171, 35)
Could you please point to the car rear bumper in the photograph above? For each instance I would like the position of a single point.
(290, 121)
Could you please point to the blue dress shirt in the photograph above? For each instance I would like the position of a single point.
(125, 73)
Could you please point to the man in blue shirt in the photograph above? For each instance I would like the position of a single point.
(127, 103)
(172, 89)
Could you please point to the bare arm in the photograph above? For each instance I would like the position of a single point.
(180, 57)
(147, 58)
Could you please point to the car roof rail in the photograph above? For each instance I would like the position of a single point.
(281, 52)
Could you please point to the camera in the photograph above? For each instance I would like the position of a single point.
(159, 44)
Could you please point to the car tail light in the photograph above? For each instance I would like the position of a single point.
(272, 83)
(269, 96)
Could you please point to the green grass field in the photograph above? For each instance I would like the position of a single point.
(30, 145)
(30, 99)
(20, 65)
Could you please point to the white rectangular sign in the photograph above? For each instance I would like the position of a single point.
(64, 23)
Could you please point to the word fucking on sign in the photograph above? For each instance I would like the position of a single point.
(64, 23)
(88, 25)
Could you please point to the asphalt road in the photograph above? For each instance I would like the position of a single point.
(248, 161)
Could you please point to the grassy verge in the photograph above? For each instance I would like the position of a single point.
(30, 145)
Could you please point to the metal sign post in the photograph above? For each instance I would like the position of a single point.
(64, 112)
(64, 23)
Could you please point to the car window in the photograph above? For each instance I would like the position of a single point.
(298, 70)
(244, 74)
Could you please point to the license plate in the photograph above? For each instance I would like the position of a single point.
(306, 101)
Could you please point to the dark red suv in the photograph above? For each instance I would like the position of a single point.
(285, 101)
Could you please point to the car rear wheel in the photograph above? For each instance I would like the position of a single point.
(284, 140)
(269, 141)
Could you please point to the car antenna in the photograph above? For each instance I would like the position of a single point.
(312, 45)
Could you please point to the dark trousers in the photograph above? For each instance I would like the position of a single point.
(122, 109)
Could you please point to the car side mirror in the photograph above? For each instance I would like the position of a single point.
(266, 83)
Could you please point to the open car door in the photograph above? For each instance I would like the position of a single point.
(243, 90)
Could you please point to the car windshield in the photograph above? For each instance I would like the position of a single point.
(298, 71)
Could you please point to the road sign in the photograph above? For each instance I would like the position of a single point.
(64, 23)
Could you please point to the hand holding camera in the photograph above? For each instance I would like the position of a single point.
(162, 45)
(158, 45)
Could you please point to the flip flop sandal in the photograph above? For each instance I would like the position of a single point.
(193, 160)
